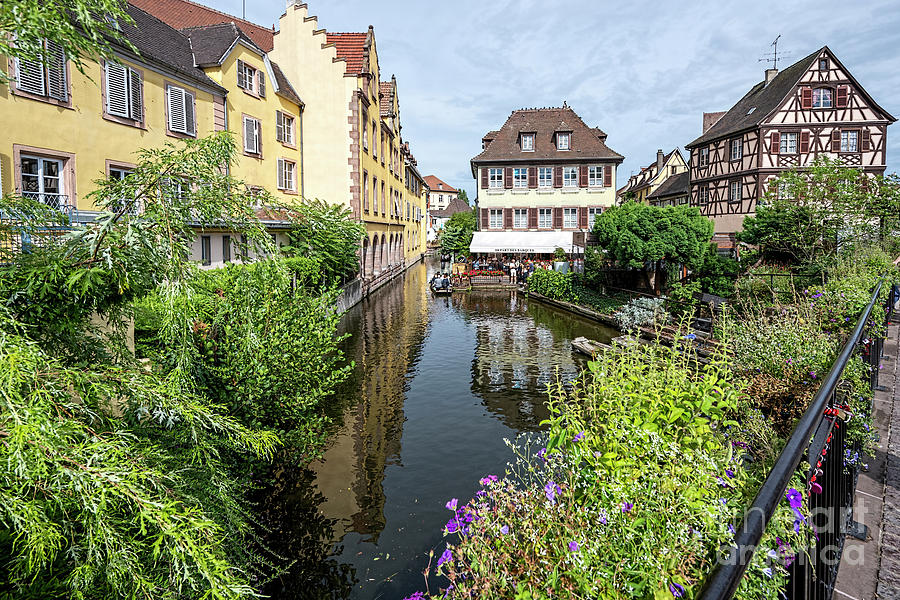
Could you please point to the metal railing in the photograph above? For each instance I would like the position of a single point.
(819, 436)
(58, 202)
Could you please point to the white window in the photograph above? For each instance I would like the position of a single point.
(562, 141)
(734, 191)
(120, 173)
(495, 178)
(545, 177)
(737, 149)
(496, 218)
(788, 143)
(595, 176)
(527, 142)
(822, 98)
(593, 213)
(365, 130)
(520, 218)
(247, 78)
(123, 92)
(44, 79)
(704, 157)
(284, 128)
(251, 136)
(287, 175)
(520, 178)
(703, 195)
(366, 190)
(180, 103)
(570, 176)
(570, 218)
(545, 218)
(849, 141)
(42, 180)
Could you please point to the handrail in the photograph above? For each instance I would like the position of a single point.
(725, 579)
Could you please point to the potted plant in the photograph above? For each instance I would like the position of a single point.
(560, 261)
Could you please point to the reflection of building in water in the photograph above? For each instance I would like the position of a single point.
(388, 330)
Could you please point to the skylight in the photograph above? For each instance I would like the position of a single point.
(752, 108)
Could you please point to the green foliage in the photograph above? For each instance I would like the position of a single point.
(559, 254)
(606, 303)
(553, 284)
(327, 234)
(463, 196)
(717, 274)
(85, 29)
(456, 236)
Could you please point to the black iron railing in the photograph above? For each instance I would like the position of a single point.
(819, 436)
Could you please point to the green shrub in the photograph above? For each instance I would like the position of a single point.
(553, 284)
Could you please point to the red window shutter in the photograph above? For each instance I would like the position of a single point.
(804, 142)
(842, 96)
(583, 217)
(532, 218)
(484, 219)
(836, 140)
(557, 218)
(557, 177)
(484, 178)
(532, 177)
(507, 218)
(806, 97)
(865, 141)
(507, 177)
(607, 175)
(776, 143)
(582, 176)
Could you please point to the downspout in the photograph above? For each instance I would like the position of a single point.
(302, 170)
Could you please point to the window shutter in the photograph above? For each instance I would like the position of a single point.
(248, 135)
(557, 218)
(607, 175)
(806, 97)
(279, 126)
(557, 177)
(583, 217)
(842, 96)
(241, 75)
(190, 113)
(484, 178)
(532, 218)
(532, 177)
(836, 140)
(57, 86)
(507, 218)
(865, 140)
(177, 118)
(280, 175)
(583, 176)
(30, 76)
(135, 88)
(262, 84)
(804, 142)
(484, 218)
(507, 177)
(117, 90)
(775, 143)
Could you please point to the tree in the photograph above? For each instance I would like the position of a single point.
(83, 29)
(327, 233)
(643, 237)
(463, 196)
(456, 237)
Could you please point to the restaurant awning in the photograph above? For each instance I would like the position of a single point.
(523, 242)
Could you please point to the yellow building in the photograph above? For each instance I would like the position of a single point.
(643, 186)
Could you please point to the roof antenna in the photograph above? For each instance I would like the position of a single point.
(773, 57)
(244, 10)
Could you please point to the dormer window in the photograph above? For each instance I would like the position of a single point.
(527, 142)
(562, 141)
(822, 98)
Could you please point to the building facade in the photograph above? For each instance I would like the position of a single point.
(642, 185)
(440, 193)
(541, 177)
(813, 107)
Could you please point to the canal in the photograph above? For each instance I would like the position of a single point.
(438, 383)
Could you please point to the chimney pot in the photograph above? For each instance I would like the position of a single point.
(659, 160)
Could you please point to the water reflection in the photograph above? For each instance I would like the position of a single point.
(438, 383)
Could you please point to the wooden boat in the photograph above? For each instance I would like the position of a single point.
(588, 347)
(441, 291)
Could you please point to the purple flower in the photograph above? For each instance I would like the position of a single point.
(730, 473)
(603, 518)
(446, 556)
(795, 498)
(551, 490)
(573, 546)
(451, 505)
(722, 482)
(504, 530)
(487, 480)
(452, 525)
(627, 506)
(691, 336)
(731, 528)
(796, 525)
(416, 596)
(542, 453)
(676, 589)
(578, 437)
(768, 572)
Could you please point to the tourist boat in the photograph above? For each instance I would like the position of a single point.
(441, 291)
(588, 347)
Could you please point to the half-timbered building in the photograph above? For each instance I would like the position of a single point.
(811, 108)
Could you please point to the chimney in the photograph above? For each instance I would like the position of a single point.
(770, 75)
(659, 160)
(710, 119)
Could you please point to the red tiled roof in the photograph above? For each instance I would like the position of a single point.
(432, 182)
(181, 14)
(351, 48)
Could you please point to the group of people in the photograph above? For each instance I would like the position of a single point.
(518, 270)
(440, 281)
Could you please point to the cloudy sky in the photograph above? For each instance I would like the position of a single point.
(642, 71)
